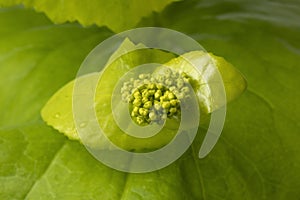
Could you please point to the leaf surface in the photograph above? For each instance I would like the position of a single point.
(257, 156)
(118, 15)
(59, 113)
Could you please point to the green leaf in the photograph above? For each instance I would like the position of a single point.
(58, 111)
(118, 15)
(37, 162)
(212, 66)
(27, 151)
(257, 156)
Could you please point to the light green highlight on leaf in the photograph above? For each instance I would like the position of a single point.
(58, 111)
(118, 15)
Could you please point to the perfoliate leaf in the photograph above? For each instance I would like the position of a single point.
(58, 111)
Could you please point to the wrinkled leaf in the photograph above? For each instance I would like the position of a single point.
(118, 15)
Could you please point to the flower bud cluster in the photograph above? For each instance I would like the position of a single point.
(154, 98)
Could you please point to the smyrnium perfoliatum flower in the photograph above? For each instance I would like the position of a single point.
(154, 97)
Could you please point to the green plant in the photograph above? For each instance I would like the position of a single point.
(257, 156)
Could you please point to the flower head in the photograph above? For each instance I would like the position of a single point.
(154, 97)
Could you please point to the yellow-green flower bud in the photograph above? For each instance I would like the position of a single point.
(133, 114)
(171, 96)
(152, 116)
(135, 110)
(137, 102)
(143, 111)
(140, 120)
(152, 86)
(151, 92)
(163, 98)
(173, 110)
(137, 94)
(145, 99)
(166, 105)
(168, 82)
(159, 86)
(148, 104)
(157, 106)
(157, 94)
(151, 99)
(174, 102)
